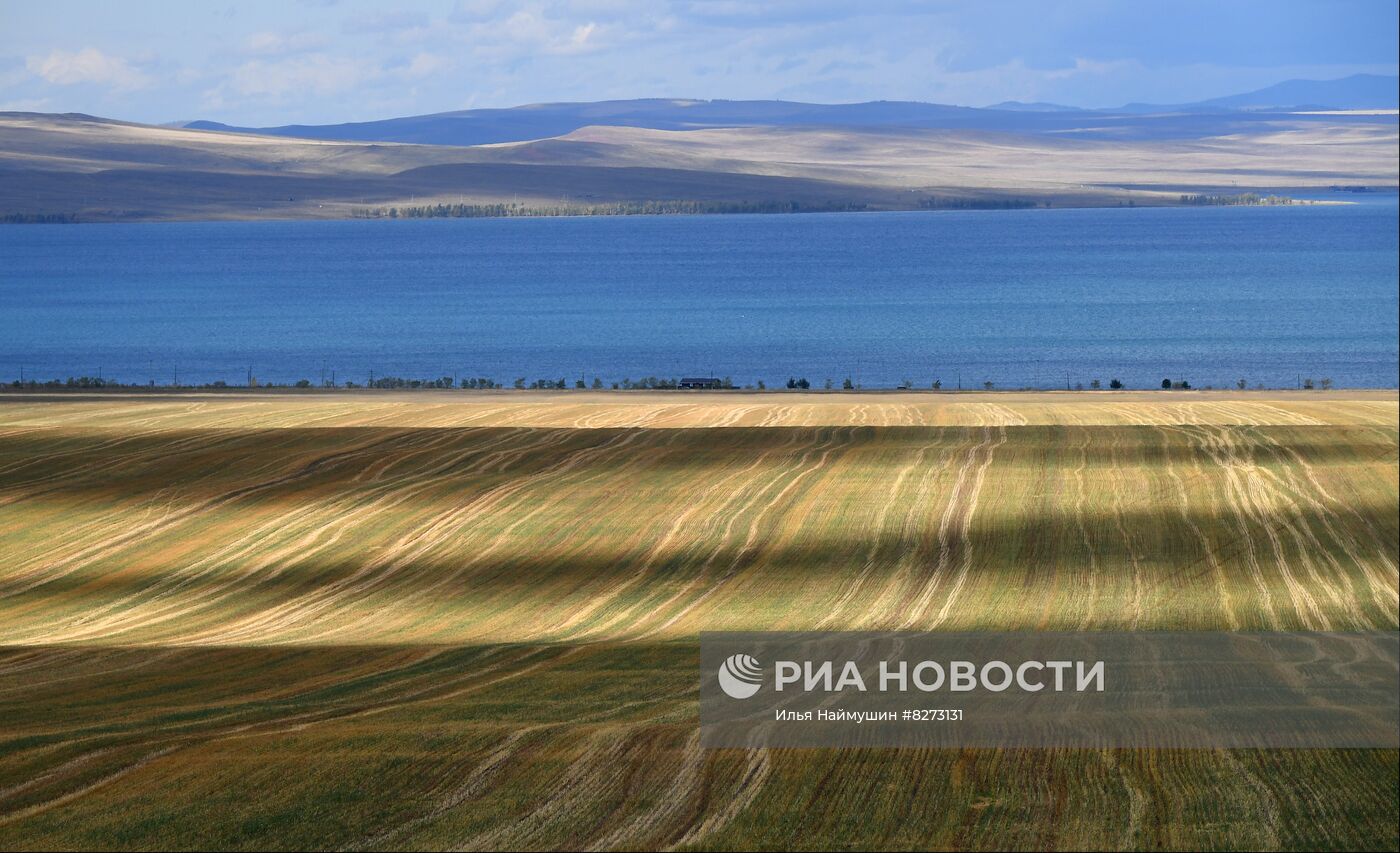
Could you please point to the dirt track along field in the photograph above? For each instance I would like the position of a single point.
(470, 620)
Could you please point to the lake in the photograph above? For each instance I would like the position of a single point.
(1033, 298)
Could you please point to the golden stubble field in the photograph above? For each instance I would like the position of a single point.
(470, 620)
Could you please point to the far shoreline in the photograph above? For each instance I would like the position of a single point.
(992, 201)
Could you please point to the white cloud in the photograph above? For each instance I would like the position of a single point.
(281, 44)
(89, 65)
(530, 32)
(278, 80)
(581, 34)
(426, 65)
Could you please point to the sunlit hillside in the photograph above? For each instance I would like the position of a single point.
(80, 168)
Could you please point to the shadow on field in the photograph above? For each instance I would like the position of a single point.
(608, 494)
(544, 747)
(220, 463)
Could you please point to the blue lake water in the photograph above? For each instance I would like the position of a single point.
(1019, 298)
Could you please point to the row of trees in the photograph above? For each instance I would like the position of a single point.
(963, 203)
(652, 382)
(597, 383)
(1307, 384)
(1204, 199)
(619, 208)
(38, 218)
(70, 382)
(400, 382)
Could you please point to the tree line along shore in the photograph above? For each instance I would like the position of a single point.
(649, 383)
(687, 207)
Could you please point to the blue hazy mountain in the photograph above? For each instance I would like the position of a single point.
(1357, 92)
(537, 121)
(1033, 107)
(1231, 114)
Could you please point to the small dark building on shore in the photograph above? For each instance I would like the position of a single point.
(694, 382)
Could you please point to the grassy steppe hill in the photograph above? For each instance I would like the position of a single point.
(90, 170)
(471, 621)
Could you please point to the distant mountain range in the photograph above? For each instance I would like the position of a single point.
(539, 121)
(1231, 114)
(1357, 92)
(1033, 107)
(657, 155)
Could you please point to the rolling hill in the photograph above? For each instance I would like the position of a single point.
(76, 167)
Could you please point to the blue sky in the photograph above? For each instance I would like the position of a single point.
(262, 62)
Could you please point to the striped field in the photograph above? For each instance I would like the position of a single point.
(470, 620)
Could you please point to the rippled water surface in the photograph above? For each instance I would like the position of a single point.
(1019, 298)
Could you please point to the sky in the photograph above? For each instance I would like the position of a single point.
(269, 62)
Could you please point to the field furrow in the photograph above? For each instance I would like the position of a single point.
(471, 620)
